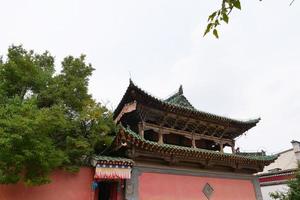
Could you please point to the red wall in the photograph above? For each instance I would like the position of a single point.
(154, 186)
(64, 186)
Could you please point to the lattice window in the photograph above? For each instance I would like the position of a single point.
(207, 190)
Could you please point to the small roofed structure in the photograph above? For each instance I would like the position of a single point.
(169, 140)
(112, 167)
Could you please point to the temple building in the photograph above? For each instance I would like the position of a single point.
(166, 149)
(276, 176)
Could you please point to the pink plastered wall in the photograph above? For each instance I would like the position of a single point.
(155, 186)
(64, 186)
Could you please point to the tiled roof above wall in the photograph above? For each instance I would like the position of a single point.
(109, 160)
(140, 142)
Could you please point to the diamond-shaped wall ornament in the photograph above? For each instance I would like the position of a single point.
(207, 190)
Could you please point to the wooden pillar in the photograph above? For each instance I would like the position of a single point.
(221, 147)
(193, 141)
(232, 147)
(160, 137)
(141, 129)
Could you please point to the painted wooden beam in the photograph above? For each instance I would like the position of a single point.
(127, 108)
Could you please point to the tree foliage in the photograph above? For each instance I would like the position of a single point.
(215, 19)
(222, 14)
(293, 191)
(48, 120)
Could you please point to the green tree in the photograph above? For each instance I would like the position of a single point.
(293, 191)
(48, 120)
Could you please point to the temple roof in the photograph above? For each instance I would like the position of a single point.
(178, 99)
(133, 139)
(178, 104)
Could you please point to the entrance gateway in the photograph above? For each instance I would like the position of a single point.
(167, 149)
(110, 173)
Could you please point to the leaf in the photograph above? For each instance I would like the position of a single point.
(237, 4)
(215, 32)
(225, 17)
(212, 16)
(208, 28)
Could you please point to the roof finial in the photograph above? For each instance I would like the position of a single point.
(180, 91)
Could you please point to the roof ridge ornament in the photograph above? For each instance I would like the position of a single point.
(130, 81)
(180, 90)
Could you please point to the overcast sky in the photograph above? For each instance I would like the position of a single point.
(251, 71)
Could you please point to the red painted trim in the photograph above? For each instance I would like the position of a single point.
(276, 178)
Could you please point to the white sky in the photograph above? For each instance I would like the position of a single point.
(251, 71)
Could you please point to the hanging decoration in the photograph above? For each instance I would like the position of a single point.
(104, 171)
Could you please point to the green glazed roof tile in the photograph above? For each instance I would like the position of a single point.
(178, 99)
